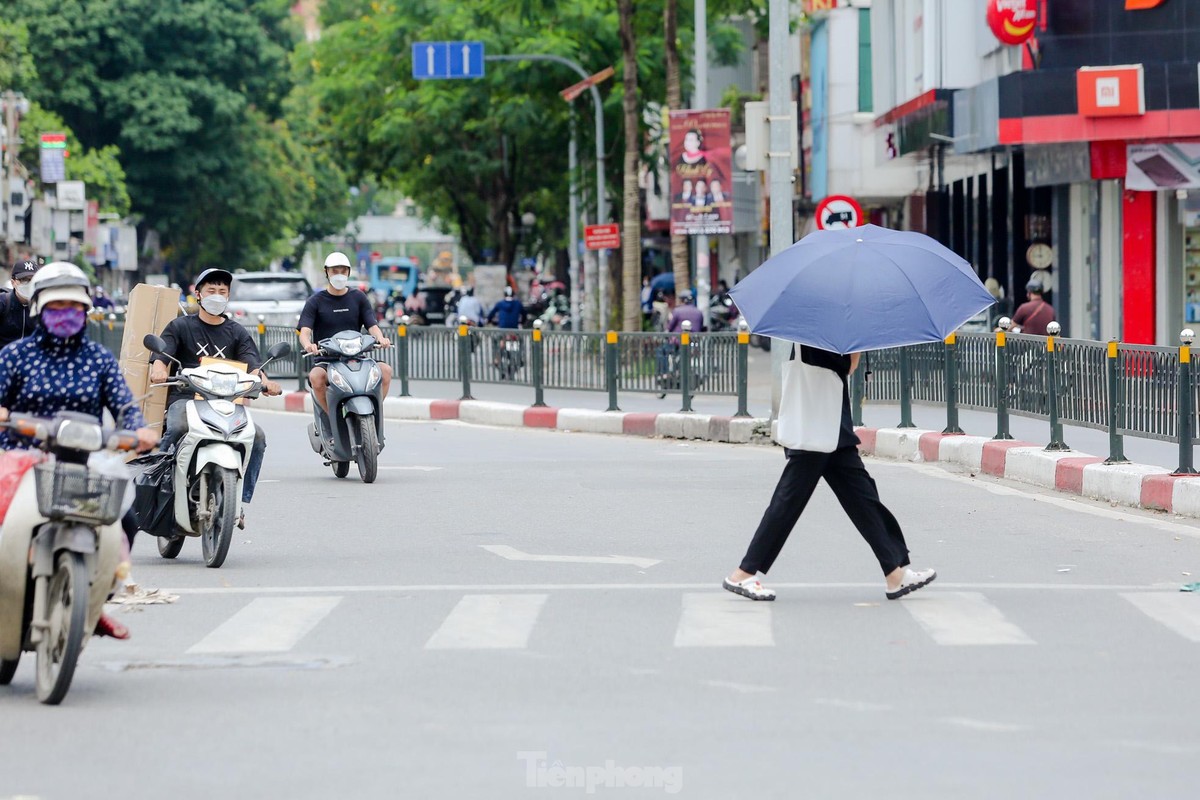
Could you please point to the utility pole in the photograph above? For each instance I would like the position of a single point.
(700, 102)
(779, 162)
(8, 168)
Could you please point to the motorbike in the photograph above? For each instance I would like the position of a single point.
(723, 313)
(60, 545)
(211, 458)
(510, 356)
(355, 396)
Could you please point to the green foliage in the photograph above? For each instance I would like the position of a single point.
(16, 63)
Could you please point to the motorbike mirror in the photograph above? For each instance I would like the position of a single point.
(279, 350)
(153, 343)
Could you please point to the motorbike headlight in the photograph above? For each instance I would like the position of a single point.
(337, 380)
(351, 347)
(76, 435)
(223, 384)
(373, 377)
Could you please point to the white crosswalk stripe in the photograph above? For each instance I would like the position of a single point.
(1179, 611)
(963, 618)
(489, 622)
(720, 619)
(267, 625)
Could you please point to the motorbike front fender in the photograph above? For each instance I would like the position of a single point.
(219, 454)
(362, 406)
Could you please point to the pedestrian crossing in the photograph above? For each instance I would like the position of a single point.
(700, 620)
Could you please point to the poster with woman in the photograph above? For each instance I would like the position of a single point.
(701, 162)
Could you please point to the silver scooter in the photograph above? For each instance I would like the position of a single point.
(60, 546)
(212, 457)
(355, 396)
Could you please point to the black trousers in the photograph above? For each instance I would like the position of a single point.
(843, 470)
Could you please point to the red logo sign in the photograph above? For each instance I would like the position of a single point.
(838, 211)
(1012, 20)
(1111, 91)
(1139, 5)
(602, 237)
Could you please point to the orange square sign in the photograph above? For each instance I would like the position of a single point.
(1111, 91)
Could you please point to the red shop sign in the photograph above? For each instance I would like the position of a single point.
(1012, 21)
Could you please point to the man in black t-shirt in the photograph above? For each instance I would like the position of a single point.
(209, 334)
(335, 309)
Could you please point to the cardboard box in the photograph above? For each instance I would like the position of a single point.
(149, 310)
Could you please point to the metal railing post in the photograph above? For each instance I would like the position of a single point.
(858, 391)
(743, 369)
(1116, 406)
(536, 355)
(685, 366)
(1185, 432)
(951, 371)
(1002, 379)
(906, 420)
(1056, 429)
(464, 356)
(402, 354)
(610, 369)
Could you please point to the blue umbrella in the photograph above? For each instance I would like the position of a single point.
(861, 289)
(664, 282)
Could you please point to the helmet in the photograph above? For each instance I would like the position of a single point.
(508, 291)
(337, 259)
(1034, 286)
(59, 280)
(214, 275)
(686, 297)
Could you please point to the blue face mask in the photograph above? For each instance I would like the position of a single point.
(64, 322)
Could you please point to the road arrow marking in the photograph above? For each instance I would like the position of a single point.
(513, 554)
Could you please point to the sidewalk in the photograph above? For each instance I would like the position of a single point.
(1136, 485)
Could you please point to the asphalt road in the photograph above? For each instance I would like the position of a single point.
(381, 641)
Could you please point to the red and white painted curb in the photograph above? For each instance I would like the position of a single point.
(1135, 485)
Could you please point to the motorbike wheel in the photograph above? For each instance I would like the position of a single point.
(340, 468)
(61, 644)
(8, 669)
(368, 449)
(169, 547)
(217, 531)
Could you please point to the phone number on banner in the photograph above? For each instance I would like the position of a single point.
(701, 230)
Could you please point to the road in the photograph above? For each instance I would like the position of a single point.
(388, 640)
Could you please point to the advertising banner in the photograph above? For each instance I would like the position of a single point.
(701, 169)
(1153, 167)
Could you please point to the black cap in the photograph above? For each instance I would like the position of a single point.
(214, 275)
(24, 269)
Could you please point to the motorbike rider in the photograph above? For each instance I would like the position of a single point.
(15, 320)
(508, 313)
(58, 368)
(686, 311)
(334, 309)
(470, 307)
(209, 334)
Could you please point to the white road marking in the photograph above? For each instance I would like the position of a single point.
(1179, 611)
(984, 725)
(489, 622)
(963, 618)
(513, 554)
(267, 625)
(415, 469)
(852, 705)
(712, 619)
(740, 688)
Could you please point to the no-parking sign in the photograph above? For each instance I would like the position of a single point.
(839, 211)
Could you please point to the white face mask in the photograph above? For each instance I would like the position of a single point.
(21, 290)
(214, 304)
(339, 282)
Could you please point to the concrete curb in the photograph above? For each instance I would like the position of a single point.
(1134, 485)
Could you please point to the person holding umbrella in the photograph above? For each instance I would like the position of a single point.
(836, 294)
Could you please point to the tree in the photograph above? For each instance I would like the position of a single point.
(631, 250)
(679, 247)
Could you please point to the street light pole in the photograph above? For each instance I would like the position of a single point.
(573, 226)
(779, 162)
(601, 199)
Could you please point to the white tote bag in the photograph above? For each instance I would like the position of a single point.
(810, 410)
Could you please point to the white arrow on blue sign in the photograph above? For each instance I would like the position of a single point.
(441, 60)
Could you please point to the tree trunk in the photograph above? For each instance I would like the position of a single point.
(631, 249)
(679, 247)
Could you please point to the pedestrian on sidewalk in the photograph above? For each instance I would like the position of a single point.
(843, 470)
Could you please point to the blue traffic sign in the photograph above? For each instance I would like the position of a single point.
(440, 60)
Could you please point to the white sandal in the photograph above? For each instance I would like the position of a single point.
(749, 588)
(912, 580)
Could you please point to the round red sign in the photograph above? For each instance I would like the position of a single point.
(839, 211)
(1012, 20)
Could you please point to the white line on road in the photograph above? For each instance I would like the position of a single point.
(513, 554)
(1179, 611)
(722, 620)
(267, 625)
(963, 618)
(415, 469)
(876, 587)
(489, 622)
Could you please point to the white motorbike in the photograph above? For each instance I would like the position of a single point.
(212, 457)
(60, 547)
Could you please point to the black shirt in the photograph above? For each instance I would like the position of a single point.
(841, 365)
(15, 322)
(190, 338)
(326, 314)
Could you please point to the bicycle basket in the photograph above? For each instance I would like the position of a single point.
(70, 492)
